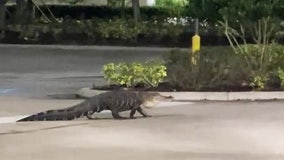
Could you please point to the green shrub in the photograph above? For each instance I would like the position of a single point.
(216, 68)
(130, 74)
(129, 29)
(281, 76)
(258, 81)
(236, 11)
(178, 69)
(171, 3)
(121, 29)
(262, 61)
(263, 57)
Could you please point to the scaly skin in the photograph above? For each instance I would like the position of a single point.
(115, 101)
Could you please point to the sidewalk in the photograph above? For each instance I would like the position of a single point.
(200, 96)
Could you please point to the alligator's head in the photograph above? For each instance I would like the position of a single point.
(151, 99)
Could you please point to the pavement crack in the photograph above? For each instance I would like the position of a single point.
(41, 129)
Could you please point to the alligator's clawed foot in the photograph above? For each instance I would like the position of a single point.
(133, 118)
(120, 118)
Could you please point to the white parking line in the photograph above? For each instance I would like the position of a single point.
(6, 90)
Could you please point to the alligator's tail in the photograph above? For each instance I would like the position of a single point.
(69, 113)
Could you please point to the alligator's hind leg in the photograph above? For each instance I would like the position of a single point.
(89, 115)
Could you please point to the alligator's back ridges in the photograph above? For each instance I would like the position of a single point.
(115, 101)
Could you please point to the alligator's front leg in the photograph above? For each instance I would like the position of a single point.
(140, 110)
(132, 112)
(116, 115)
(143, 113)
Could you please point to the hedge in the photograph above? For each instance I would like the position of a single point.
(103, 12)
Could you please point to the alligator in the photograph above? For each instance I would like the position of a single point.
(116, 101)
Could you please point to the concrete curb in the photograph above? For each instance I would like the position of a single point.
(201, 96)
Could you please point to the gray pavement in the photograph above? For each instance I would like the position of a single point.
(39, 70)
(193, 131)
(196, 131)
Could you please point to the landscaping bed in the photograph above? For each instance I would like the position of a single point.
(217, 69)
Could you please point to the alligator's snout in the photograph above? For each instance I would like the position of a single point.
(170, 97)
(164, 98)
(152, 99)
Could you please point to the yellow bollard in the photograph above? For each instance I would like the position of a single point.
(195, 48)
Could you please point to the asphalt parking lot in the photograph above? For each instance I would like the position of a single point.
(177, 131)
(195, 131)
(37, 71)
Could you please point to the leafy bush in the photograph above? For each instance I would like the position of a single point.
(178, 69)
(123, 29)
(258, 81)
(217, 68)
(281, 76)
(129, 29)
(262, 58)
(130, 74)
(236, 11)
(171, 3)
